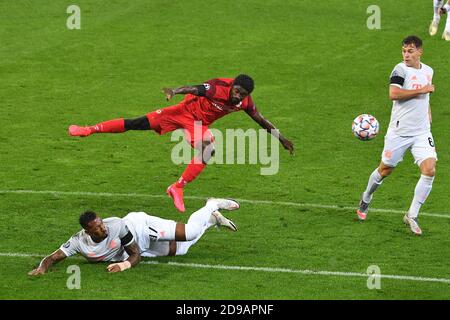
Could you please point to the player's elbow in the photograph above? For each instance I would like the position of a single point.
(393, 93)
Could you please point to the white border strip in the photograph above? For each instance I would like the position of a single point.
(262, 202)
(261, 269)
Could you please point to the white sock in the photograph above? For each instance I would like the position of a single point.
(183, 246)
(375, 181)
(436, 5)
(199, 221)
(423, 189)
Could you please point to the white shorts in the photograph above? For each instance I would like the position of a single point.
(422, 147)
(151, 233)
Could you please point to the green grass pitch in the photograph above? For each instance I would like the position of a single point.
(316, 66)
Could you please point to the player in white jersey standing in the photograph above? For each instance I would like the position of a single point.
(440, 8)
(124, 241)
(409, 128)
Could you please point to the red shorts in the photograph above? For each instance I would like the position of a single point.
(177, 117)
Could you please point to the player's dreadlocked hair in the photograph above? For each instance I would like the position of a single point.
(245, 82)
(87, 217)
(416, 41)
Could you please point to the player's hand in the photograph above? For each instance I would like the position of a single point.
(288, 145)
(429, 88)
(169, 93)
(120, 266)
(36, 271)
(442, 11)
(113, 267)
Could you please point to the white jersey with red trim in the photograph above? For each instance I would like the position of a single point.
(110, 249)
(410, 117)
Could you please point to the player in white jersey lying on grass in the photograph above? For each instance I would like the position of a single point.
(124, 240)
(440, 8)
(409, 128)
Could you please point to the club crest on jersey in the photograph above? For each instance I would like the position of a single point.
(207, 86)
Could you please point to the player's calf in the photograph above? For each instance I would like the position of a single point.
(111, 126)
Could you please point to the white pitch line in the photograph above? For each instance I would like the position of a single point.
(262, 269)
(20, 255)
(262, 202)
(306, 272)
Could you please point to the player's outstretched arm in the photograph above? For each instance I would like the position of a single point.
(396, 93)
(169, 92)
(134, 258)
(47, 262)
(264, 123)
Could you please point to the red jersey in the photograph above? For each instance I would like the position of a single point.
(213, 101)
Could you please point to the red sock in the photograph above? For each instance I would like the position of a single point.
(111, 126)
(190, 173)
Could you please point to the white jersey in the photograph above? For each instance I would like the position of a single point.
(152, 235)
(410, 117)
(110, 249)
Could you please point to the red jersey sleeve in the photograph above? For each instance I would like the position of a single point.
(210, 89)
(215, 89)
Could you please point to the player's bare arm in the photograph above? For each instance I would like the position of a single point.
(47, 262)
(396, 93)
(429, 114)
(134, 258)
(266, 124)
(169, 92)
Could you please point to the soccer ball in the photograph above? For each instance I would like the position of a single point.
(365, 127)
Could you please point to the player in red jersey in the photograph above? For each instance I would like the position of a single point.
(202, 105)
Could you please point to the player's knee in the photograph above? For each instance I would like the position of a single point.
(428, 167)
(429, 171)
(385, 170)
(141, 123)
